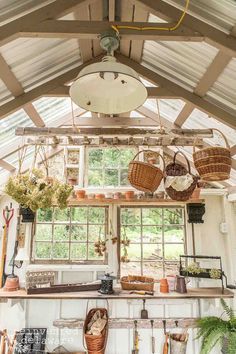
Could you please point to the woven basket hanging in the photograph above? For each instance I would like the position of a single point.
(145, 176)
(213, 163)
(96, 344)
(176, 169)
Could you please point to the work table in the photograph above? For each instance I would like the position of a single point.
(193, 293)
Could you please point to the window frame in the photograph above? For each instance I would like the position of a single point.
(68, 261)
(162, 243)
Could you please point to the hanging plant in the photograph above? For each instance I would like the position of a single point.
(34, 189)
(125, 242)
(100, 245)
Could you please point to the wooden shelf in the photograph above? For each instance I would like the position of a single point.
(153, 201)
(193, 293)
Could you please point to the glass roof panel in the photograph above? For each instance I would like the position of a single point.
(169, 109)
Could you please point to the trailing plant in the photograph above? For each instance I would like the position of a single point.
(215, 273)
(216, 331)
(193, 268)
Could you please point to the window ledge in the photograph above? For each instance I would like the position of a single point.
(67, 267)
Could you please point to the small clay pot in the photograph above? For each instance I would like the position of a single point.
(99, 196)
(12, 283)
(129, 195)
(196, 193)
(164, 287)
(152, 160)
(117, 195)
(72, 181)
(91, 196)
(80, 194)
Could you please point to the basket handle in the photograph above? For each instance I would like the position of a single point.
(157, 153)
(188, 164)
(223, 136)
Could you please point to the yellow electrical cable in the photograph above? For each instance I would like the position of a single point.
(116, 28)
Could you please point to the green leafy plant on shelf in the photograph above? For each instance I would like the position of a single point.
(218, 331)
(35, 190)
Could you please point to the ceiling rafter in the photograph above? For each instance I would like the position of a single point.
(58, 8)
(212, 35)
(137, 46)
(16, 89)
(184, 114)
(199, 102)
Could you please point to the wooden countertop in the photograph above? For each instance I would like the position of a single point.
(193, 293)
(135, 201)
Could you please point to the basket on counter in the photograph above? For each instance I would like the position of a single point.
(175, 169)
(137, 282)
(145, 176)
(213, 163)
(96, 344)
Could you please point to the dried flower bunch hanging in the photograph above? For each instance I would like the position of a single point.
(125, 242)
(100, 245)
(35, 189)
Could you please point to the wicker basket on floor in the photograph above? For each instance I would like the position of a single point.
(96, 344)
(176, 169)
(137, 282)
(213, 163)
(145, 176)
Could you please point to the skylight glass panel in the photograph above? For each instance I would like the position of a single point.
(169, 109)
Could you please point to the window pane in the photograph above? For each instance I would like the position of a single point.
(95, 157)
(130, 216)
(60, 250)
(127, 155)
(92, 255)
(124, 177)
(152, 252)
(95, 178)
(153, 269)
(171, 268)
(78, 251)
(96, 216)
(61, 232)
(152, 216)
(174, 234)
(134, 252)
(94, 231)
(61, 214)
(79, 215)
(79, 233)
(44, 215)
(172, 252)
(43, 250)
(152, 234)
(131, 268)
(133, 233)
(111, 178)
(43, 232)
(112, 157)
(173, 216)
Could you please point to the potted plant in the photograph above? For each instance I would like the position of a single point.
(218, 331)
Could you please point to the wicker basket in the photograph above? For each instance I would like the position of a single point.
(213, 163)
(96, 344)
(137, 282)
(145, 176)
(176, 169)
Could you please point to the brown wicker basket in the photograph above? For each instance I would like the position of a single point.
(213, 163)
(137, 282)
(176, 169)
(96, 344)
(145, 176)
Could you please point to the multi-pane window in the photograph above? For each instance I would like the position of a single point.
(108, 167)
(68, 236)
(152, 238)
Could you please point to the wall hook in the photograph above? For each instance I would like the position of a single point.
(164, 326)
(176, 323)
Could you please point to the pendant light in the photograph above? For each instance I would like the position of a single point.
(108, 87)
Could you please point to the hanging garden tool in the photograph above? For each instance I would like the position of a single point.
(144, 312)
(8, 214)
(166, 344)
(153, 338)
(135, 349)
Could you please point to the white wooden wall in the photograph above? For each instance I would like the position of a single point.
(41, 313)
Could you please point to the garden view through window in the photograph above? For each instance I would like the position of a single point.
(108, 167)
(68, 236)
(152, 238)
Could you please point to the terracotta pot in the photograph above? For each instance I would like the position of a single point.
(129, 195)
(72, 181)
(196, 193)
(12, 283)
(152, 160)
(80, 194)
(164, 287)
(91, 196)
(99, 196)
(117, 195)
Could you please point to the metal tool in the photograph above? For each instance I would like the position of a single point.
(8, 214)
(152, 337)
(135, 349)
(144, 312)
(139, 292)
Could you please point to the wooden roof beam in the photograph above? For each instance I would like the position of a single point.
(184, 114)
(212, 35)
(93, 29)
(58, 8)
(197, 101)
(7, 166)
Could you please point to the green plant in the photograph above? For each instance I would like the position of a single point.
(215, 273)
(193, 268)
(216, 331)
